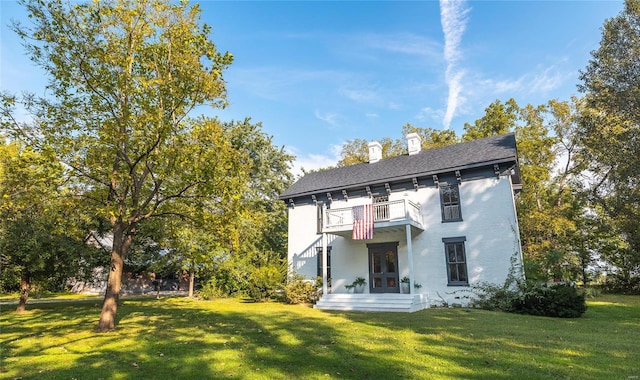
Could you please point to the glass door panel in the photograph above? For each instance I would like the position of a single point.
(383, 268)
(376, 273)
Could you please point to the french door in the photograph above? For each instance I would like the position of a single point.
(383, 268)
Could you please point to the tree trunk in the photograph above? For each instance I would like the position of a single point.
(25, 285)
(121, 244)
(192, 280)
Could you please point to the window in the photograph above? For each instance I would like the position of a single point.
(456, 261)
(450, 201)
(319, 221)
(319, 256)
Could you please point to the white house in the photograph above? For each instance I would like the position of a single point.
(444, 218)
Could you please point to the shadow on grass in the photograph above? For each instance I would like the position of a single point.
(497, 345)
(181, 340)
(186, 339)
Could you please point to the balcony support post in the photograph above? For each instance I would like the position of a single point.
(325, 286)
(410, 258)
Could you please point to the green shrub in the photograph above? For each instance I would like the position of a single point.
(9, 279)
(298, 290)
(619, 284)
(211, 290)
(552, 300)
(495, 297)
(592, 292)
(500, 297)
(263, 282)
(529, 297)
(555, 300)
(226, 280)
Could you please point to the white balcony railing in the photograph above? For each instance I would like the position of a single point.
(393, 211)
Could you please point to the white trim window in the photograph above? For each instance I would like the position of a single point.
(450, 203)
(456, 261)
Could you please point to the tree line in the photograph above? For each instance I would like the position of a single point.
(117, 150)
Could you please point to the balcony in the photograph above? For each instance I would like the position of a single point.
(387, 217)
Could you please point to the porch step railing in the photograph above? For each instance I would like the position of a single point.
(382, 212)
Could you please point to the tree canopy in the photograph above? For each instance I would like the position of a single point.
(357, 151)
(124, 78)
(610, 129)
(42, 229)
(499, 118)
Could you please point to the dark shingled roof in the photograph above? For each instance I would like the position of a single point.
(472, 154)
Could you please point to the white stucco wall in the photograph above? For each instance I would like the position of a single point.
(490, 228)
(489, 225)
(303, 240)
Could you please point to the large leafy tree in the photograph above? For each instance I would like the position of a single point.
(123, 77)
(253, 225)
(256, 236)
(499, 118)
(42, 232)
(551, 208)
(610, 131)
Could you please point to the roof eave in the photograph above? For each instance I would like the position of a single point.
(399, 178)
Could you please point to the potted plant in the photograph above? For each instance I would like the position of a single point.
(357, 285)
(404, 285)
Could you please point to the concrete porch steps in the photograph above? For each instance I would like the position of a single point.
(386, 302)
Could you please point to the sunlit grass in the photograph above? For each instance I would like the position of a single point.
(178, 338)
(13, 297)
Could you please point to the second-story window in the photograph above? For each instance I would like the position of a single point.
(450, 202)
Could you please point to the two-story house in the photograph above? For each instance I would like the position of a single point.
(443, 219)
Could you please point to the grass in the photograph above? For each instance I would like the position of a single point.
(14, 297)
(179, 338)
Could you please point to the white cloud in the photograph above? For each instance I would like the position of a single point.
(312, 161)
(372, 115)
(547, 80)
(405, 43)
(394, 106)
(453, 17)
(427, 114)
(275, 83)
(329, 118)
(454, 99)
(540, 82)
(360, 96)
(502, 86)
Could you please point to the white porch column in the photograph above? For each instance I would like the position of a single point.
(410, 258)
(325, 286)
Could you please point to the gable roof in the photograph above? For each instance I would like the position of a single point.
(471, 154)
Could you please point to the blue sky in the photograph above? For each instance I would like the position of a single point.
(320, 73)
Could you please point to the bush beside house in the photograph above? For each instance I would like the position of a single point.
(563, 300)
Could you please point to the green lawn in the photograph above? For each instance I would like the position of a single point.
(177, 338)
